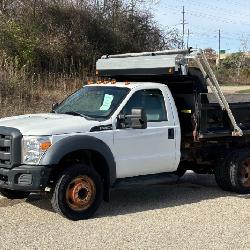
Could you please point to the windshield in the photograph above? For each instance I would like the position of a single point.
(93, 102)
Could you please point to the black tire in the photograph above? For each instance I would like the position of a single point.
(239, 171)
(70, 204)
(182, 169)
(181, 173)
(13, 194)
(222, 172)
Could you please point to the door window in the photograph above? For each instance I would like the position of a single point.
(152, 101)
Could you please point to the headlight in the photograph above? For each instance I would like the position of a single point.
(34, 147)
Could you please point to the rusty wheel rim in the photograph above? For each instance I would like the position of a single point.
(245, 173)
(80, 193)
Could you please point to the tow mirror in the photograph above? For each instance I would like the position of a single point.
(137, 119)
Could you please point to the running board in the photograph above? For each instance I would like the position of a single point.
(164, 178)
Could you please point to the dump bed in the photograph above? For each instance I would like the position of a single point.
(187, 74)
(214, 122)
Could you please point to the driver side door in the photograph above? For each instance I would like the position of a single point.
(151, 150)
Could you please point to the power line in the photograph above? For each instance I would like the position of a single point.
(228, 34)
(214, 18)
(216, 7)
(229, 37)
(183, 23)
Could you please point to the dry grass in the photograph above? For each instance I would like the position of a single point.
(35, 99)
(23, 92)
(41, 101)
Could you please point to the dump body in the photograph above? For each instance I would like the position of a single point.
(202, 117)
(214, 122)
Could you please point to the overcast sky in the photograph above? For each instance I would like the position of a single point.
(205, 18)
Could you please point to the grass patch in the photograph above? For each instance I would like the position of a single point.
(228, 84)
(244, 91)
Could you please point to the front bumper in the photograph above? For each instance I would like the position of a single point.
(25, 178)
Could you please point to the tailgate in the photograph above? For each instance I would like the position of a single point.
(214, 122)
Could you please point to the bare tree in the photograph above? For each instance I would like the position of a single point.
(245, 44)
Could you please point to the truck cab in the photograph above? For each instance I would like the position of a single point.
(126, 125)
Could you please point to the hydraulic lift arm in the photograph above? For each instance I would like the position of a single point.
(212, 81)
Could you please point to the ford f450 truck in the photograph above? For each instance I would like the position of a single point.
(153, 121)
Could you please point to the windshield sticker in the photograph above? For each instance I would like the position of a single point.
(107, 102)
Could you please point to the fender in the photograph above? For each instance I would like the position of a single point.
(80, 142)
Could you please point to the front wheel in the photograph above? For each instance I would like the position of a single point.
(78, 193)
(13, 194)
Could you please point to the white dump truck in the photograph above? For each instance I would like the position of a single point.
(147, 120)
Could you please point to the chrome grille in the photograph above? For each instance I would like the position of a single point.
(10, 147)
(5, 149)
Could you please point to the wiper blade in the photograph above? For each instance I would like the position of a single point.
(75, 114)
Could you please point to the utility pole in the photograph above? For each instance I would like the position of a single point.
(183, 26)
(219, 46)
(188, 39)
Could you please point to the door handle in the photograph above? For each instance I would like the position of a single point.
(171, 133)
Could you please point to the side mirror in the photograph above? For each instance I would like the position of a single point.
(137, 119)
(54, 106)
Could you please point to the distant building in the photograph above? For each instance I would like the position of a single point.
(223, 56)
(247, 54)
(210, 55)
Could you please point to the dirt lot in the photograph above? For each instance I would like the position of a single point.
(233, 94)
(194, 214)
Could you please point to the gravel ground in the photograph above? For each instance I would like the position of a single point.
(231, 94)
(194, 214)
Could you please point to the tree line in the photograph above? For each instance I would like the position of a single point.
(234, 68)
(69, 35)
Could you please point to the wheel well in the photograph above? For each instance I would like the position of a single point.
(89, 157)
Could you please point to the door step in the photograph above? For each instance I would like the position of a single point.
(164, 178)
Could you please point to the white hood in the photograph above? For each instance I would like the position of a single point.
(48, 124)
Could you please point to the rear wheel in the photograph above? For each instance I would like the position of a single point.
(13, 194)
(232, 172)
(239, 166)
(78, 193)
(222, 172)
